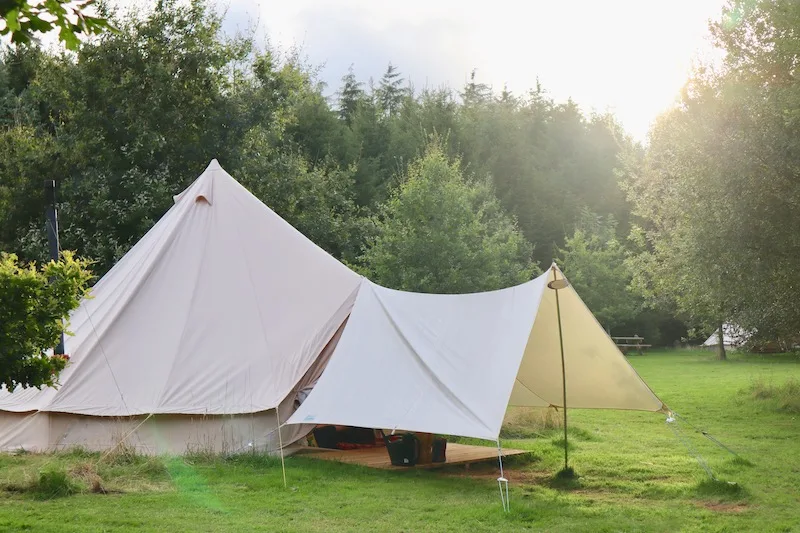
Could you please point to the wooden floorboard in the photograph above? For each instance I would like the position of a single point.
(457, 454)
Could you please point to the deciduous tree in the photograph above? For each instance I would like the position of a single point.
(34, 304)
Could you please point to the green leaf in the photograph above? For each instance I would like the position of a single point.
(20, 37)
(40, 25)
(68, 37)
(12, 20)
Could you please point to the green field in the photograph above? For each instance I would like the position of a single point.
(635, 474)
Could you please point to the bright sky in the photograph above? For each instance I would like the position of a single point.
(628, 56)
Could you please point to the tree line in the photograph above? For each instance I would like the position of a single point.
(427, 189)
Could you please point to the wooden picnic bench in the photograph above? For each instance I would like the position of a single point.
(631, 343)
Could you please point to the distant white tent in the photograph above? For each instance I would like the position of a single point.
(733, 336)
(208, 324)
(452, 364)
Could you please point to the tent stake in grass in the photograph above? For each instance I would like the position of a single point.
(502, 481)
(557, 284)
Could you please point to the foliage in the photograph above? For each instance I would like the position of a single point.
(134, 116)
(441, 233)
(25, 18)
(318, 201)
(547, 162)
(717, 190)
(595, 263)
(35, 303)
(681, 259)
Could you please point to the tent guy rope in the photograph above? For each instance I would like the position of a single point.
(706, 434)
(676, 430)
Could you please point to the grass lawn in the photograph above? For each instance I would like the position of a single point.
(635, 474)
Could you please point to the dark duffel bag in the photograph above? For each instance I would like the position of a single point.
(358, 435)
(326, 436)
(403, 449)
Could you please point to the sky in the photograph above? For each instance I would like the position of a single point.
(630, 57)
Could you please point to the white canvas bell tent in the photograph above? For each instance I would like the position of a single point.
(452, 364)
(213, 320)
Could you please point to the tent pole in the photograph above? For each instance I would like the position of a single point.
(280, 443)
(563, 374)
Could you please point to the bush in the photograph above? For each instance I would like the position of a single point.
(36, 302)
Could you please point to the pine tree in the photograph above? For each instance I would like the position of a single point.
(350, 96)
(475, 93)
(391, 92)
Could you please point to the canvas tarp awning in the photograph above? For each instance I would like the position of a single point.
(452, 364)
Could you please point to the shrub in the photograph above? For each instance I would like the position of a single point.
(36, 302)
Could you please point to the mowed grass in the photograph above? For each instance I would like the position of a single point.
(635, 475)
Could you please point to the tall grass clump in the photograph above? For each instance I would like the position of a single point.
(786, 396)
(530, 422)
(51, 483)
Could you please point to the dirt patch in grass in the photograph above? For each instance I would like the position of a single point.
(721, 507)
(517, 474)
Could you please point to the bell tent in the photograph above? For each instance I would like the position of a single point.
(195, 337)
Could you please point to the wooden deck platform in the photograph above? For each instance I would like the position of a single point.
(457, 454)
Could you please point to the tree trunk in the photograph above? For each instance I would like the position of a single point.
(721, 344)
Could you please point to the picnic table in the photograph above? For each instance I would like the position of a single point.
(631, 343)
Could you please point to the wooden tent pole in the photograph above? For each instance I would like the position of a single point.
(563, 381)
(555, 286)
